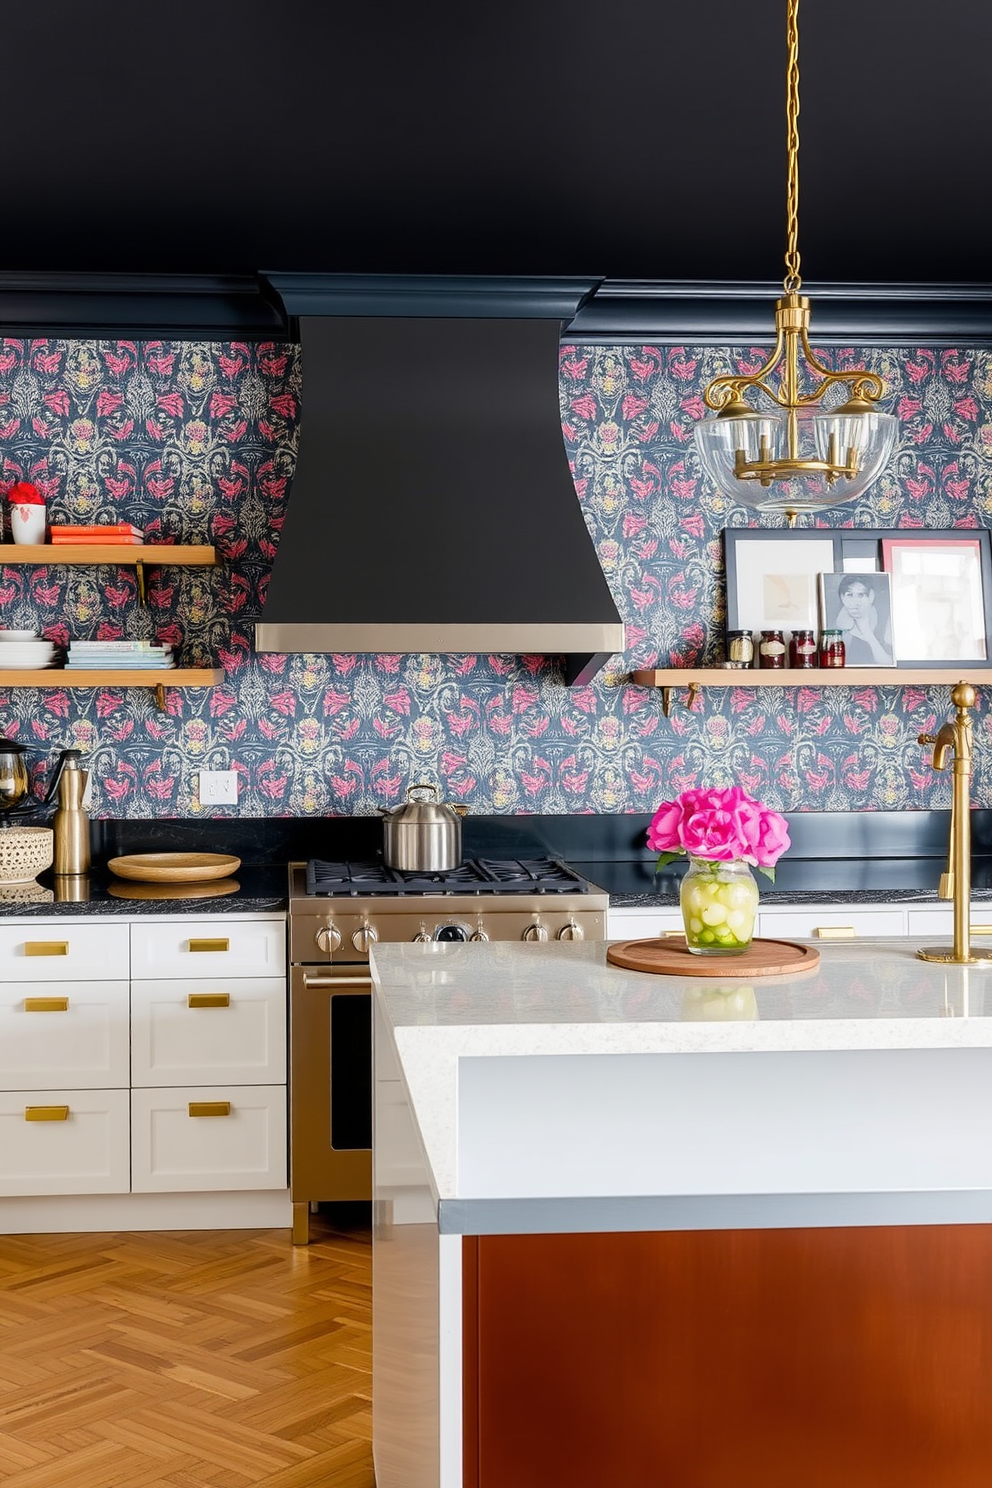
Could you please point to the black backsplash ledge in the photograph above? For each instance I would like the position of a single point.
(265, 841)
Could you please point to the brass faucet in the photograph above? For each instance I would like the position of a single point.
(955, 739)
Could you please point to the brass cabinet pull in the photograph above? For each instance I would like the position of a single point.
(221, 944)
(208, 999)
(668, 934)
(835, 932)
(46, 1113)
(46, 1004)
(46, 948)
(209, 1108)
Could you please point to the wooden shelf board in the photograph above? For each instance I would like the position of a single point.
(975, 672)
(108, 677)
(160, 554)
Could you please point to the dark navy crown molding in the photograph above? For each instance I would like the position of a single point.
(140, 307)
(716, 313)
(469, 296)
(592, 309)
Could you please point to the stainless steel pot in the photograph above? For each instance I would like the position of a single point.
(422, 836)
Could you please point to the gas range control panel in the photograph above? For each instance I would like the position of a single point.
(347, 936)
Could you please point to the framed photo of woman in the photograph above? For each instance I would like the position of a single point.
(859, 605)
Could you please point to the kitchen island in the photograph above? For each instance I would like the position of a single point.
(650, 1229)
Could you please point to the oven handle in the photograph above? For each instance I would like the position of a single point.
(336, 981)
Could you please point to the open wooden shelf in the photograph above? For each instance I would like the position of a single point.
(692, 680)
(967, 671)
(113, 677)
(158, 678)
(120, 553)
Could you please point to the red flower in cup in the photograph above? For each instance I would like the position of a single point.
(25, 494)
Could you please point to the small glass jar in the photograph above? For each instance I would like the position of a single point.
(802, 649)
(740, 649)
(832, 652)
(771, 649)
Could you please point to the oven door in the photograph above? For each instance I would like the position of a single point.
(330, 1084)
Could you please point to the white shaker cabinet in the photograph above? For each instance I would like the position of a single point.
(143, 1072)
(824, 922)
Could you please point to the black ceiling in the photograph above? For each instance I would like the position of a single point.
(618, 139)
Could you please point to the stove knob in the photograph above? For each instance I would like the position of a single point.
(328, 938)
(423, 934)
(364, 937)
(478, 933)
(537, 931)
(571, 931)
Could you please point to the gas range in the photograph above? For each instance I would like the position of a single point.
(339, 909)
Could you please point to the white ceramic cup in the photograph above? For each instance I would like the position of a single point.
(27, 522)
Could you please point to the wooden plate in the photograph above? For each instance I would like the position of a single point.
(174, 867)
(670, 957)
(212, 890)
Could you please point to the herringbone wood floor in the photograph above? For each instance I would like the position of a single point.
(217, 1359)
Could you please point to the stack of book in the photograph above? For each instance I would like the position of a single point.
(119, 656)
(122, 534)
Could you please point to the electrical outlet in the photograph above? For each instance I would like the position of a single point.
(218, 787)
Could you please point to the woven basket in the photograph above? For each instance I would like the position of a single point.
(24, 852)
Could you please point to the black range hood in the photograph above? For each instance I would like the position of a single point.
(433, 509)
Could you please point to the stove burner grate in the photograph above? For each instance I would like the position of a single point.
(474, 876)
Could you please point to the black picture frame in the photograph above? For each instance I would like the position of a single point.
(747, 550)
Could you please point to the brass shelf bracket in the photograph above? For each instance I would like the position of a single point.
(692, 692)
(139, 569)
(160, 697)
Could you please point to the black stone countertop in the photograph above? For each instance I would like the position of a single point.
(633, 885)
(630, 883)
(258, 890)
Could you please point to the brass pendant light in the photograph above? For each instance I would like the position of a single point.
(797, 456)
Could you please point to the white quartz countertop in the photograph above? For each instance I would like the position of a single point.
(551, 1090)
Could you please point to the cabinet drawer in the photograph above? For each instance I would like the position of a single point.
(173, 1151)
(209, 1031)
(62, 951)
(70, 1034)
(83, 1150)
(642, 924)
(210, 948)
(808, 924)
(939, 920)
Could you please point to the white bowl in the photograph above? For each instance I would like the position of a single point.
(18, 635)
(24, 852)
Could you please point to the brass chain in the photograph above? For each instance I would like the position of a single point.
(792, 282)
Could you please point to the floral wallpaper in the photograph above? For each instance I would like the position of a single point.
(195, 443)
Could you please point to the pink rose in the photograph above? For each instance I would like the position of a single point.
(663, 833)
(773, 839)
(714, 833)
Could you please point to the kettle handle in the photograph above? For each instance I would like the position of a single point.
(423, 785)
(60, 764)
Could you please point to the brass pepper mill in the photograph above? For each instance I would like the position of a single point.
(955, 738)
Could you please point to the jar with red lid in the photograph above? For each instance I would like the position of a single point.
(771, 649)
(832, 651)
(802, 649)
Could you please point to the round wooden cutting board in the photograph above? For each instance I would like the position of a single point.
(174, 867)
(671, 958)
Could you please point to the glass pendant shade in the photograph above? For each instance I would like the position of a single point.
(731, 446)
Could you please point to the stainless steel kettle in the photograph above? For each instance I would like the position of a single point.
(422, 836)
(70, 823)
